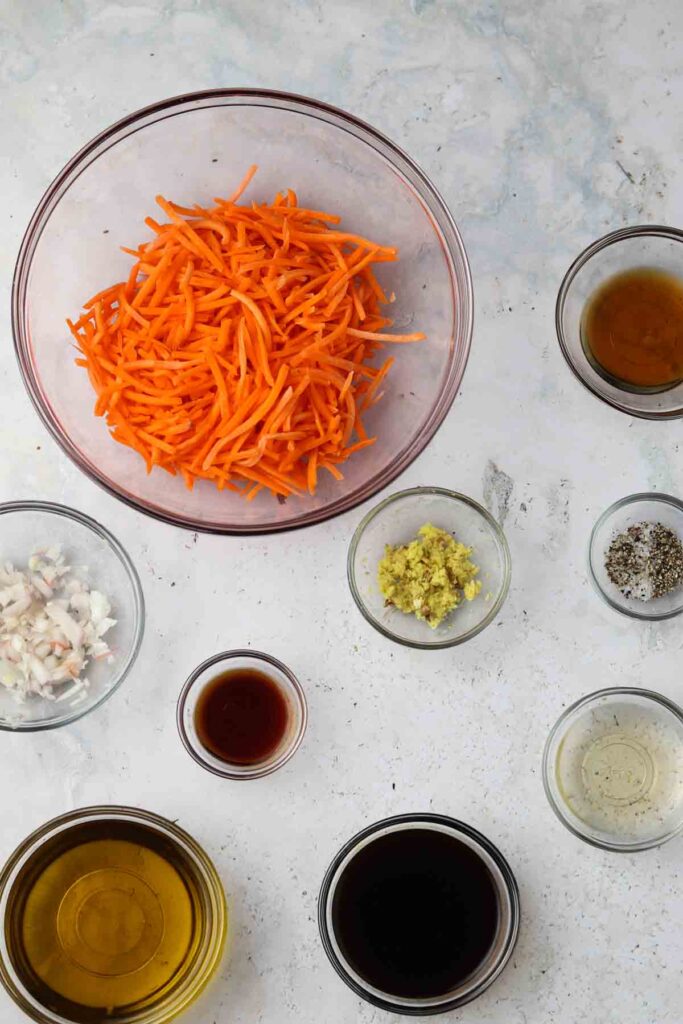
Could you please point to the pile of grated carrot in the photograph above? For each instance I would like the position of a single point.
(240, 348)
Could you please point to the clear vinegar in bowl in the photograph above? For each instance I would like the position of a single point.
(619, 769)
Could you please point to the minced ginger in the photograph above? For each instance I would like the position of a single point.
(430, 576)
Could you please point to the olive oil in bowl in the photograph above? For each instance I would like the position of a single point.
(111, 918)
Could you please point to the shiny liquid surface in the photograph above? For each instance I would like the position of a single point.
(415, 913)
(632, 329)
(241, 716)
(102, 920)
(619, 769)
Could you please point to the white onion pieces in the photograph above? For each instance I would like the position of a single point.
(51, 626)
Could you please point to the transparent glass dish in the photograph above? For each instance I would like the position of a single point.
(503, 944)
(208, 944)
(99, 558)
(649, 507)
(195, 147)
(396, 520)
(631, 741)
(651, 246)
(289, 687)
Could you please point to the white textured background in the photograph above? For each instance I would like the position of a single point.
(544, 124)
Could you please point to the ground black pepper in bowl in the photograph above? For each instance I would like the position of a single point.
(645, 561)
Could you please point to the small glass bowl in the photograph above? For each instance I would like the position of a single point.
(503, 944)
(210, 943)
(651, 246)
(396, 520)
(100, 559)
(291, 689)
(636, 508)
(568, 749)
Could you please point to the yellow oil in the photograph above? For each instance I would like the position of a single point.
(103, 920)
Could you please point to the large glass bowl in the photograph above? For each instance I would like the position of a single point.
(98, 558)
(191, 149)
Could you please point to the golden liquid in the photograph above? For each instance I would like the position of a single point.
(103, 919)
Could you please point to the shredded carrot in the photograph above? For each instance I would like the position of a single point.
(242, 349)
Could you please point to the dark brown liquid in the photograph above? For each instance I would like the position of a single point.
(241, 716)
(632, 327)
(415, 913)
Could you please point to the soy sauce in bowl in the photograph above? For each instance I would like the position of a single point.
(415, 913)
(419, 913)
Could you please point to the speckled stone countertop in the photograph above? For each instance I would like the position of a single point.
(544, 123)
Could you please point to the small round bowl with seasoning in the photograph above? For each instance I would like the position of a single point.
(619, 320)
(242, 714)
(429, 568)
(613, 769)
(71, 615)
(635, 556)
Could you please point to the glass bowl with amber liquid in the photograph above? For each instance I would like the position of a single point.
(242, 714)
(619, 320)
(110, 913)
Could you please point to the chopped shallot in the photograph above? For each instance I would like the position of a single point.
(51, 626)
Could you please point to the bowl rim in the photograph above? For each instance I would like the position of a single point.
(459, 828)
(210, 879)
(547, 770)
(630, 499)
(117, 548)
(256, 771)
(612, 237)
(431, 199)
(498, 533)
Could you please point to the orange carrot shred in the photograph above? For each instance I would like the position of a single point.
(243, 347)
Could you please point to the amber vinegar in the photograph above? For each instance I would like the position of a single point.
(632, 330)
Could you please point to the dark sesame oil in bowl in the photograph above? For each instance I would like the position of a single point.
(415, 913)
(242, 716)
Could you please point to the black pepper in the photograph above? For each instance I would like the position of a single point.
(645, 561)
